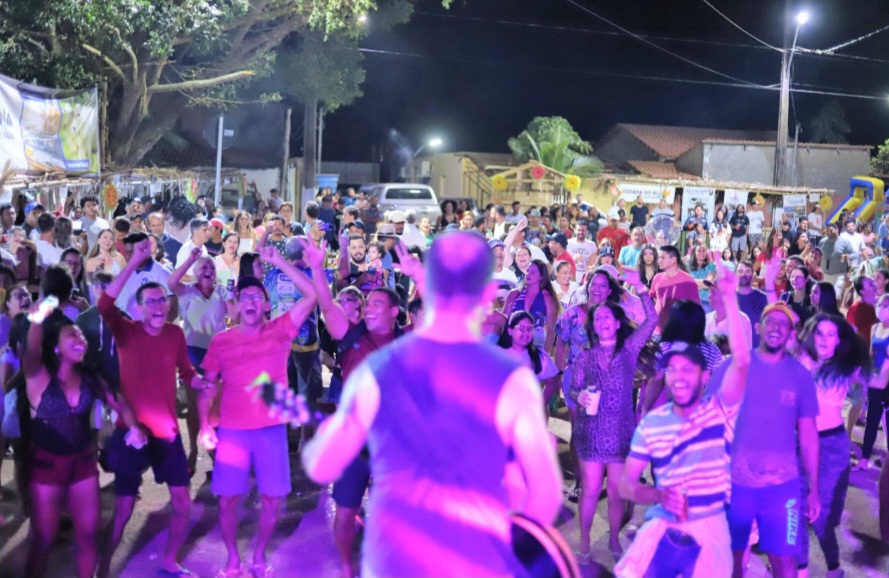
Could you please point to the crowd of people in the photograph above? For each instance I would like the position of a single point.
(658, 349)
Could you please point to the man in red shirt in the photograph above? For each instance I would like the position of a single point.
(150, 352)
(246, 433)
(558, 246)
(862, 314)
(671, 284)
(613, 231)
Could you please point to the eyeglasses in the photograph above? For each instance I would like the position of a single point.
(254, 297)
(153, 302)
(524, 328)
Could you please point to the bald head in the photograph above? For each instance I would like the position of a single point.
(459, 264)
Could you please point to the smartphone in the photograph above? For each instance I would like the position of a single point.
(372, 270)
(77, 226)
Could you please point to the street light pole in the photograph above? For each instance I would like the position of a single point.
(784, 103)
(433, 144)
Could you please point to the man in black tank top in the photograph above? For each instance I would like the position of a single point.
(442, 413)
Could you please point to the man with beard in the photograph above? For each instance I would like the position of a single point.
(775, 431)
(247, 434)
(582, 250)
(440, 441)
(751, 301)
(351, 261)
(687, 442)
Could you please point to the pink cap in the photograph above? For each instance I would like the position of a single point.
(217, 223)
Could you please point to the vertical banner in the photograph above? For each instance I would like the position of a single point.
(733, 198)
(44, 130)
(794, 207)
(692, 196)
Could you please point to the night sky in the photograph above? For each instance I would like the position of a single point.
(485, 68)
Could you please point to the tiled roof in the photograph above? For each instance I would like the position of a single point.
(484, 160)
(659, 170)
(196, 153)
(670, 142)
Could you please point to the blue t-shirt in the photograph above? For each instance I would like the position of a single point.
(283, 295)
(764, 452)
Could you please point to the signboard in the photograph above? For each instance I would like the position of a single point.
(692, 196)
(794, 206)
(44, 130)
(735, 197)
(651, 194)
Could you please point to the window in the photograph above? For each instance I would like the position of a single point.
(408, 193)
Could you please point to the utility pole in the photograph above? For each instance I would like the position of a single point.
(283, 187)
(784, 103)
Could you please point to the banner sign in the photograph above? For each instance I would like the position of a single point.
(692, 196)
(735, 197)
(44, 130)
(651, 194)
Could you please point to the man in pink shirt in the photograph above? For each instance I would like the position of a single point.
(671, 284)
(246, 433)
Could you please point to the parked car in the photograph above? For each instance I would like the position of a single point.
(407, 197)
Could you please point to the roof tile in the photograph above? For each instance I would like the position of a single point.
(670, 142)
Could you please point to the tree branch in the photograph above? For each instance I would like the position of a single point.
(129, 51)
(201, 83)
(93, 50)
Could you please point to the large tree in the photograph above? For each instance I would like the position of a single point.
(829, 125)
(551, 141)
(155, 57)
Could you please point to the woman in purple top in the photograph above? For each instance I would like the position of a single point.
(603, 385)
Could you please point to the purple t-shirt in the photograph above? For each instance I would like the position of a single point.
(764, 452)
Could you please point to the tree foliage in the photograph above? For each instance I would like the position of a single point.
(156, 57)
(552, 141)
(879, 165)
(829, 125)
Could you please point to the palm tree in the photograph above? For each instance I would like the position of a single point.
(551, 141)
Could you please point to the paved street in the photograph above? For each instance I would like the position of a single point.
(303, 544)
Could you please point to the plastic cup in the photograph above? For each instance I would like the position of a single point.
(595, 395)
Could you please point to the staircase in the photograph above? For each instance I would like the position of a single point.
(477, 185)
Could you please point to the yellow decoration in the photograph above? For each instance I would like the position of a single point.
(572, 183)
(665, 194)
(111, 197)
(826, 203)
(759, 200)
(500, 182)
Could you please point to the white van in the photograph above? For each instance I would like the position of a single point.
(407, 197)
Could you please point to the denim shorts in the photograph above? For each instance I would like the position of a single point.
(264, 448)
(778, 514)
(348, 491)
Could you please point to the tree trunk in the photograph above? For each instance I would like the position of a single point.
(310, 136)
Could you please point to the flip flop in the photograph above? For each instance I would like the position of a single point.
(263, 570)
(179, 572)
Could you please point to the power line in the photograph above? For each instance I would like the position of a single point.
(801, 51)
(657, 47)
(739, 27)
(833, 49)
(556, 27)
(827, 91)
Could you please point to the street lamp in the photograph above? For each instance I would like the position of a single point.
(784, 103)
(433, 143)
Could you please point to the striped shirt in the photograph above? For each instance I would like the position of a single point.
(693, 454)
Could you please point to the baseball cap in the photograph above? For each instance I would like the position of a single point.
(535, 212)
(396, 217)
(610, 269)
(359, 224)
(217, 223)
(494, 243)
(606, 252)
(781, 307)
(692, 353)
(386, 230)
(34, 205)
(559, 238)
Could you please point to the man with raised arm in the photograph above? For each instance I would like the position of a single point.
(247, 434)
(151, 350)
(687, 442)
(440, 440)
